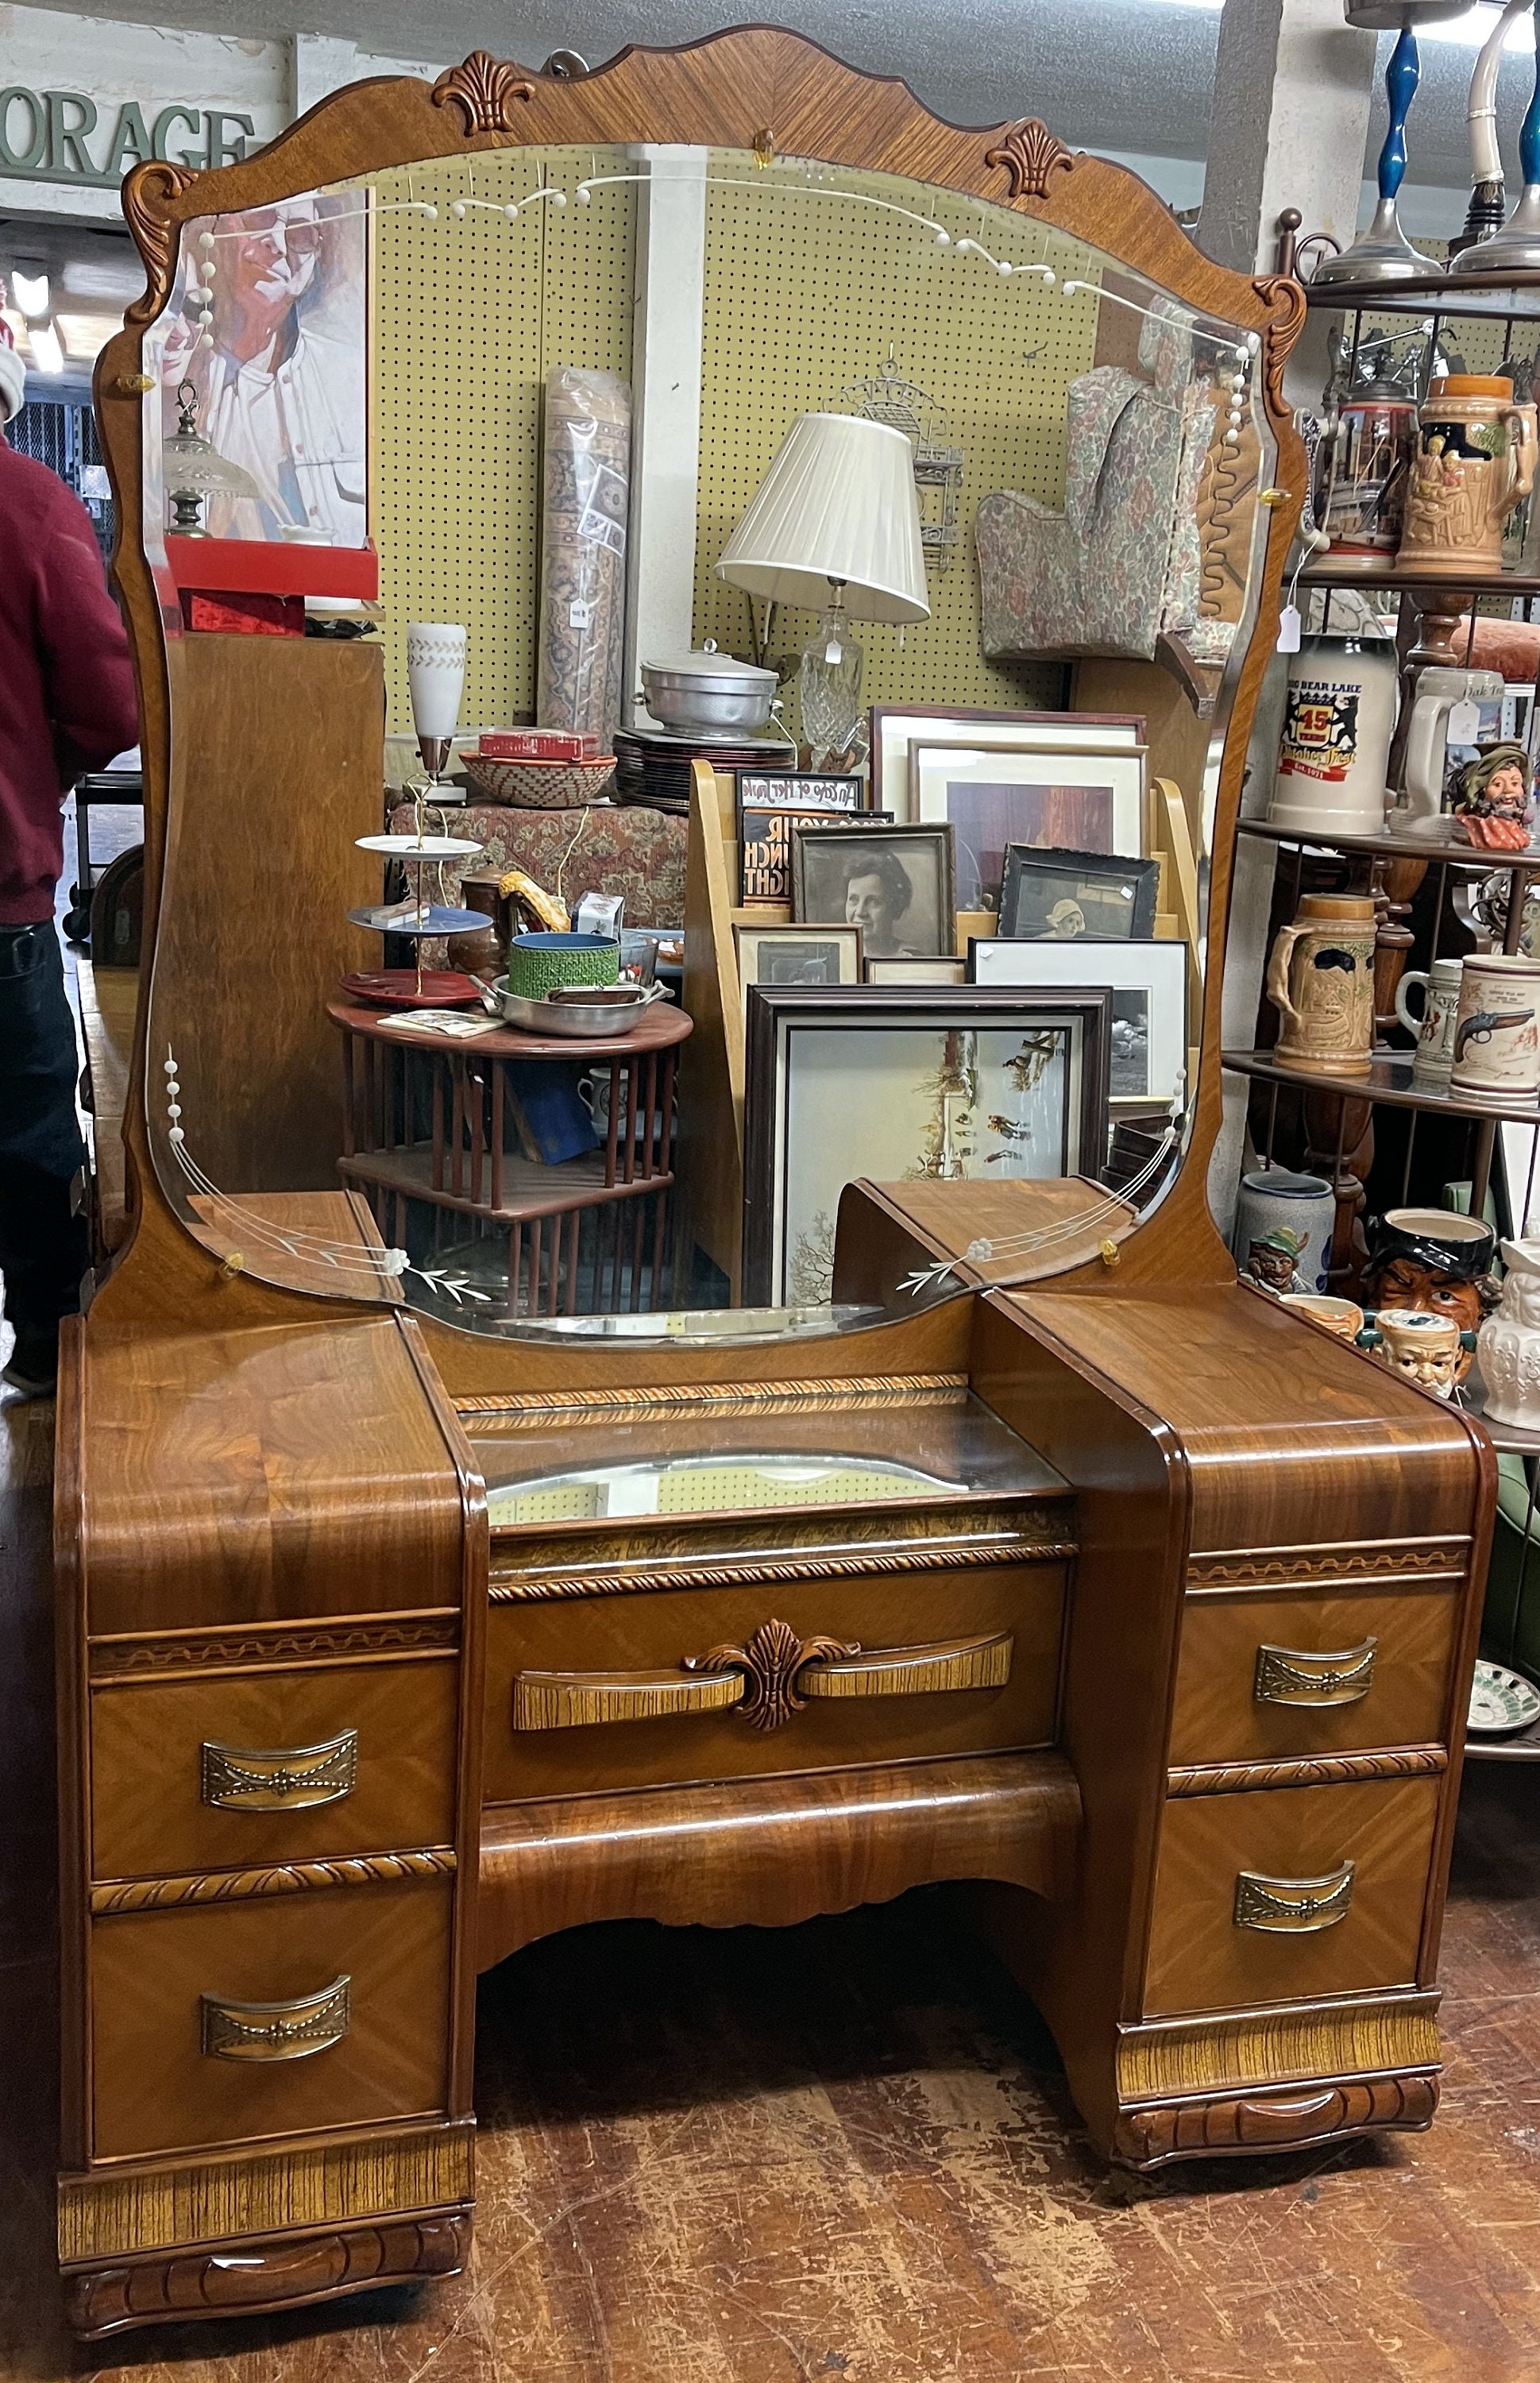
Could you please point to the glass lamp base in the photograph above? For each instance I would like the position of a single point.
(829, 692)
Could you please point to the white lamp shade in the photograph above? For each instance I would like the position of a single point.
(436, 675)
(838, 503)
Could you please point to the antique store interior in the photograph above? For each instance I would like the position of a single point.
(772, 1608)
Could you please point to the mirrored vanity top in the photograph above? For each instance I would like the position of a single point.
(541, 1468)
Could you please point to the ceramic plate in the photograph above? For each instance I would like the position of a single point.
(417, 848)
(1502, 1701)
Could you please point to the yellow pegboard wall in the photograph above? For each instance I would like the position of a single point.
(807, 293)
(467, 317)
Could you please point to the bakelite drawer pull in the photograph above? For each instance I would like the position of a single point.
(914, 1670)
(1290, 1675)
(578, 1699)
(1292, 1907)
(233, 2030)
(248, 1779)
(767, 1680)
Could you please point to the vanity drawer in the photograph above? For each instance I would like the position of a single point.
(1302, 1923)
(951, 1663)
(165, 1984)
(1259, 1677)
(272, 1766)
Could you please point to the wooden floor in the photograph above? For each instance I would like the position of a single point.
(839, 2150)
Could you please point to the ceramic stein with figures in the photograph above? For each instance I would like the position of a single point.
(1321, 977)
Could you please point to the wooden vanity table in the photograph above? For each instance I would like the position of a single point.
(1118, 1593)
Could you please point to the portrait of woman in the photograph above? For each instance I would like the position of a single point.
(895, 885)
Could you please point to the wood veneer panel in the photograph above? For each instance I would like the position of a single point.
(250, 1476)
(148, 1815)
(773, 1851)
(606, 1634)
(1201, 1960)
(156, 2090)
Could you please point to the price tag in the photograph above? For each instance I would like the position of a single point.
(833, 653)
(580, 616)
(1289, 629)
(1464, 722)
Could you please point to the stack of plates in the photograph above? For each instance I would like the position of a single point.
(653, 767)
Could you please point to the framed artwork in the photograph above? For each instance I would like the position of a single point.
(893, 883)
(291, 284)
(1082, 799)
(1057, 896)
(814, 956)
(900, 1083)
(940, 971)
(897, 726)
(1149, 982)
(764, 849)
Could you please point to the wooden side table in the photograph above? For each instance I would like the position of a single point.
(605, 1210)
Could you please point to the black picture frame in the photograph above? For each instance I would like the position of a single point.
(777, 1012)
(1036, 881)
(809, 845)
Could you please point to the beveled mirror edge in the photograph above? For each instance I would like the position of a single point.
(757, 88)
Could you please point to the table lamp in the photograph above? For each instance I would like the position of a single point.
(835, 524)
(1516, 248)
(1384, 252)
(194, 470)
(436, 652)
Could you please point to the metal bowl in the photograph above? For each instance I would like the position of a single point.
(582, 1012)
(708, 692)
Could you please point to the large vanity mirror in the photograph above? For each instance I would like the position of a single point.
(516, 432)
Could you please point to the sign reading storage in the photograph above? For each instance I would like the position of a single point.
(65, 136)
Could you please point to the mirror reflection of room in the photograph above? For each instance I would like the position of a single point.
(729, 645)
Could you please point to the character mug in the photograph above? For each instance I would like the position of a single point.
(1320, 976)
(1284, 1224)
(1436, 1259)
(1497, 1037)
(1423, 1346)
(1435, 1027)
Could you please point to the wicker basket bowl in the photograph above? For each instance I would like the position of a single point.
(541, 785)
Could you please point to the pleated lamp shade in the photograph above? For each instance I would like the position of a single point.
(838, 503)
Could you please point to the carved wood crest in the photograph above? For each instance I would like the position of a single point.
(1029, 153)
(147, 195)
(770, 1663)
(485, 88)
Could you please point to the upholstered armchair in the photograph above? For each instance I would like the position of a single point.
(1119, 571)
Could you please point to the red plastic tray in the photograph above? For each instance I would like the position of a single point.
(255, 566)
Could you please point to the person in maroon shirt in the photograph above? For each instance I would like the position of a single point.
(67, 705)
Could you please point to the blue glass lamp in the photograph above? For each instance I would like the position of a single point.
(1384, 252)
(1516, 249)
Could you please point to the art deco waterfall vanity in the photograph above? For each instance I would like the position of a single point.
(393, 1636)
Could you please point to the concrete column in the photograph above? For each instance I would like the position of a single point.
(1289, 121)
(668, 293)
(320, 65)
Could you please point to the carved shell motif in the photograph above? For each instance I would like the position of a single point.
(1030, 153)
(147, 195)
(485, 88)
(770, 1663)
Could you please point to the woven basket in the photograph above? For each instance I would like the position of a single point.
(537, 963)
(540, 785)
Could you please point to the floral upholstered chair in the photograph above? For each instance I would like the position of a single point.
(1120, 569)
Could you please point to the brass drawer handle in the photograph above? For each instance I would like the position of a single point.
(767, 1680)
(250, 1779)
(1292, 1907)
(233, 2030)
(1290, 1675)
(578, 1699)
(914, 1670)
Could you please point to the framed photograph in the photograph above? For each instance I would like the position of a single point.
(764, 849)
(1149, 982)
(1053, 796)
(893, 883)
(786, 790)
(917, 971)
(816, 955)
(902, 1084)
(897, 726)
(1057, 896)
